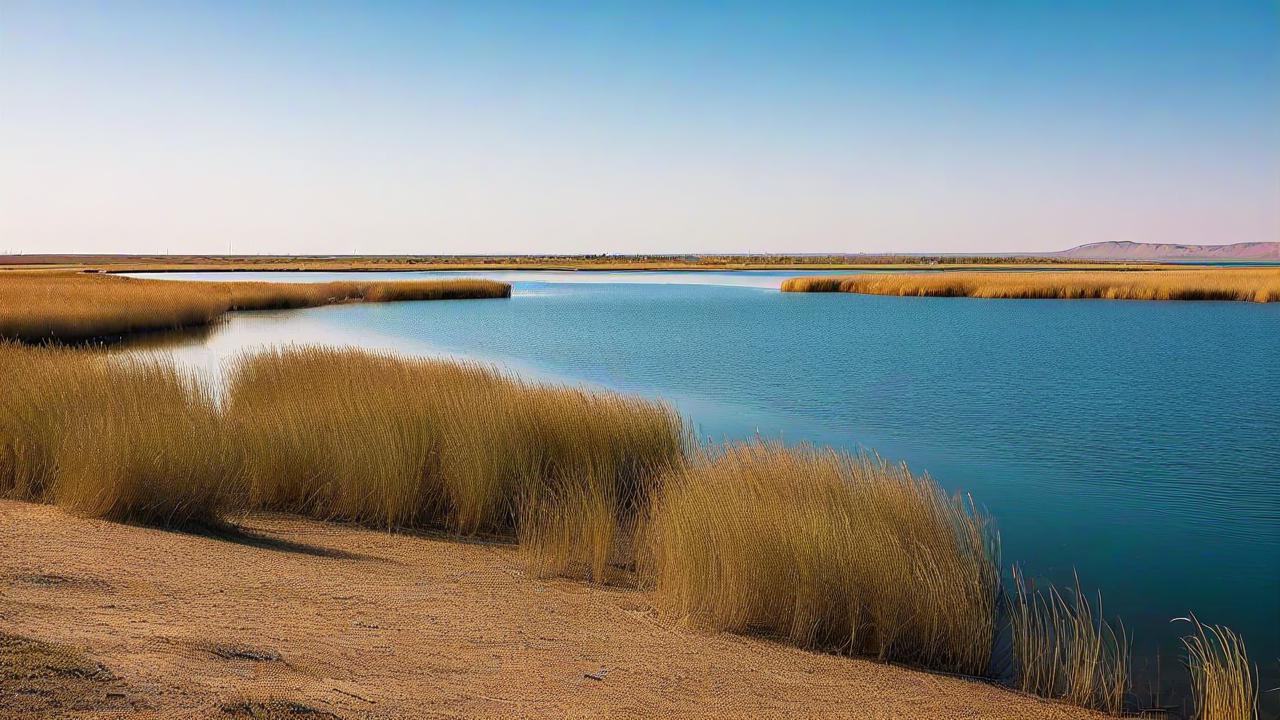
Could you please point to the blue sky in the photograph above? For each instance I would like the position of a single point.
(387, 127)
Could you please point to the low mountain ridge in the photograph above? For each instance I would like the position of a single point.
(1163, 251)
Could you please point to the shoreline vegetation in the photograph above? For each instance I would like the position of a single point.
(817, 548)
(72, 307)
(1220, 283)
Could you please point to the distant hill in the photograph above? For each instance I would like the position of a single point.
(1160, 251)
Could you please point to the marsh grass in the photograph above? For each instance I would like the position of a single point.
(43, 679)
(1224, 685)
(382, 440)
(572, 531)
(70, 307)
(829, 551)
(396, 442)
(1244, 284)
(112, 437)
(1065, 649)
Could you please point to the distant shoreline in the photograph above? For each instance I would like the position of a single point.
(1252, 284)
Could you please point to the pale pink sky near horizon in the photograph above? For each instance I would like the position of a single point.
(496, 128)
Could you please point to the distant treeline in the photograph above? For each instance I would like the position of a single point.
(529, 261)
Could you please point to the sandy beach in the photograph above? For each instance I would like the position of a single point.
(365, 624)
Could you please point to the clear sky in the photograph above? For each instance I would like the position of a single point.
(489, 127)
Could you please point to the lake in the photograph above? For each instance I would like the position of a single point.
(1136, 443)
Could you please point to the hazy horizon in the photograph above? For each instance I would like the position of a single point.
(494, 128)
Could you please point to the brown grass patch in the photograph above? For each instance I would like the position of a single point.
(1244, 284)
(244, 652)
(274, 709)
(68, 307)
(37, 678)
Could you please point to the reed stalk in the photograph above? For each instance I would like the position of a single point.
(1064, 649)
(1224, 684)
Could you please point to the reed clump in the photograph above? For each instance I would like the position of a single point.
(1224, 685)
(831, 551)
(112, 437)
(70, 307)
(1065, 649)
(397, 442)
(1242, 284)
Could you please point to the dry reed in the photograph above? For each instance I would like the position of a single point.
(373, 438)
(1246, 284)
(1063, 650)
(68, 307)
(395, 442)
(112, 437)
(1223, 683)
(829, 550)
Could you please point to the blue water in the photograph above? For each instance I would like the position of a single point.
(1136, 443)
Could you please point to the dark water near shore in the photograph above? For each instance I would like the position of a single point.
(1137, 443)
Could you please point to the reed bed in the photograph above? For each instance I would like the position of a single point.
(394, 442)
(111, 437)
(1064, 649)
(1224, 685)
(70, 307)
(828, 550)
(1242, 284)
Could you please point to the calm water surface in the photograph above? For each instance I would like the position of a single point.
(1137, 443)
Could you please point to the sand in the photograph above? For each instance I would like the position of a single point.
(364, 624)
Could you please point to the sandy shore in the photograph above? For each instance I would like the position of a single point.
(363, 624)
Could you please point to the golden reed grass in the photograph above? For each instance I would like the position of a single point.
(331, 433)
(112, 437)
(1224, 684)
(1247, 284)
(828, 550)
(1064, 650)
(68, 307)
(396, 442)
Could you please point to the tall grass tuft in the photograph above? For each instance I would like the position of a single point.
(828, 550)
(1223, 683)
(40, 390)
(1064, 650)
(152, 453)
(1247, 284)
(69, 307)
(113, 438)
(396, 442)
